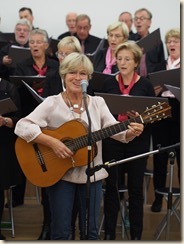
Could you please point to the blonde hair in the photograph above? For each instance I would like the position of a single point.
(175, 32)
(122, 25)
(72, 42)
(132, 47)
(73, 62)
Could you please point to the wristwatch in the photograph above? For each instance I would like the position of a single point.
(6, 121)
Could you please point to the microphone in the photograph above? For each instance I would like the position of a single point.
(84, 85)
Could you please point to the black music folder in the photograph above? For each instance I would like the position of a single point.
(53, 46)
(7, 106)
(170, 77)
(36, 96)
(36, 82)
(97, 81)
(99, 47)
(7, 36)
(118, 104)
(17, 54)
(175, 91)
(150, 41)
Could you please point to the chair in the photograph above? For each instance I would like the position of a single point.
(123, 203)
(171, 210)
(148, 174)
(9, 225)
(169, 194)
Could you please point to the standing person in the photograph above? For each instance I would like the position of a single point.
(53, 86)
(128, 82)
(126, 17)
(74, 68)
(22, 31)
(71, 24)
(88, 42)
(10, 171)
(153, 60)
(104, 61)
(37, 64)
(171, 125)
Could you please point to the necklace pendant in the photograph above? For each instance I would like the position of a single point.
(75, 106)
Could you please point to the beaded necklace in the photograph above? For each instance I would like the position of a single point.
(75, 105)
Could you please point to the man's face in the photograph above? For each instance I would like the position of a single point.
(142, 23)
(82, 29)
(71, 22)
(26, 15)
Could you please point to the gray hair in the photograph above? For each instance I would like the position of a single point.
(40, 32)
(24, 22)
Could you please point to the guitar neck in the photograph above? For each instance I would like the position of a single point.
(104, 133)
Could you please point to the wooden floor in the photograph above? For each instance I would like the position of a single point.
(28, 219)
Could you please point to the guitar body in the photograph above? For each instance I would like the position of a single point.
(50, 168)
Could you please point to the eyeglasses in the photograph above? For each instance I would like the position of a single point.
(173, 41)
(39, 42)
(140, 18)
(115, 36)
(126, 59)
(61, 55)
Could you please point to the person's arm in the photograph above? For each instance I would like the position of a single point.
(56, 145)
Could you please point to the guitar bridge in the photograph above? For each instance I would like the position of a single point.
(73, 162)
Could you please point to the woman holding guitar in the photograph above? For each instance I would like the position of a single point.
(61, 155)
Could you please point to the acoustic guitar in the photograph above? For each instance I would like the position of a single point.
(43, 168)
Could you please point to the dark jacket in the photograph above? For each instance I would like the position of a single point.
(91, 43)
(10, 172)
(155, 58)
(26, 69)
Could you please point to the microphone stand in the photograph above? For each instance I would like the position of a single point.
(112, 163)
(88, 167)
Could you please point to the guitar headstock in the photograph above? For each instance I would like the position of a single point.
(156, 113)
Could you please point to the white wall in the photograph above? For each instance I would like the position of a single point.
(50, 15)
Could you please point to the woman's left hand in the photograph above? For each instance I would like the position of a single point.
(136, 128)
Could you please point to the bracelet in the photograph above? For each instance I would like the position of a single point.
(5, 121)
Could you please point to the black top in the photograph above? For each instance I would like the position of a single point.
(99, 61)
(10, 172)
(90, 43)
(155, 58)
(26, 68)
(64, 35)
(142, 87)
(6, 71)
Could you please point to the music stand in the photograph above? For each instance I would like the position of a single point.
(175, 90)
(171, 77)
(121, 104)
